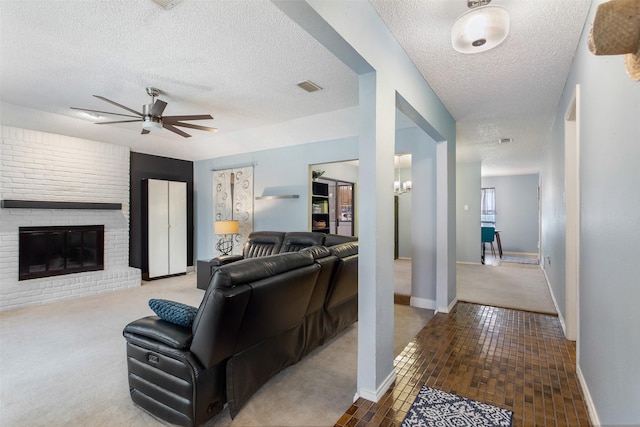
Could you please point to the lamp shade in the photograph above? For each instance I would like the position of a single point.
(226, 227)
(480, 29)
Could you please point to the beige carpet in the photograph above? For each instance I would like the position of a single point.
(510, 285)
(64, 364)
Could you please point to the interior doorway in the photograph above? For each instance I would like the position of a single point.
(341, 206)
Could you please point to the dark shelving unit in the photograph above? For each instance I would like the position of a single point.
(320, 207)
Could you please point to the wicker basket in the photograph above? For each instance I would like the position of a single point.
(616, 31)
(616, 28)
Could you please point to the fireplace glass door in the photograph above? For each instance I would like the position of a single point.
(52, 251)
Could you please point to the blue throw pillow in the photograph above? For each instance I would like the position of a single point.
(174, 312)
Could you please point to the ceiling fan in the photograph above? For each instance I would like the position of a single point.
(151, 116)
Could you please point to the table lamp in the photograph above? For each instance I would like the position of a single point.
(225, 228)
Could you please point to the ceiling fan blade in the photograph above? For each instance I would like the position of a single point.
(102, 112)
(168, 126)
(174, 119)
(119, 121)
(158, 108)
(145, 131)
(189, 125)
(118, 105)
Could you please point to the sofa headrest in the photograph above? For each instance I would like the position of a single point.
(262, 243)
(266, 236)
(296, 240)
(344, 250)
(336, 239)
(317, 251)
(253, 269)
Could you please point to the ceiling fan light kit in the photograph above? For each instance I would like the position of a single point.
(151, 123)
(151, 116)
(481, 28)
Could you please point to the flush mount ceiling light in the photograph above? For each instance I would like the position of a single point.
(481, 28)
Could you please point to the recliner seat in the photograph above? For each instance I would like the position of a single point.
(249, 326)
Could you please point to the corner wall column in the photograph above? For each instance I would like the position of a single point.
(375, 233)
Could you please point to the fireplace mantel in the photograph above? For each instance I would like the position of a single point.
(43, 204)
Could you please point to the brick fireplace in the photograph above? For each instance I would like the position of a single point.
(79, 177)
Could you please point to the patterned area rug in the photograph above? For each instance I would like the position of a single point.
(436, 408)
(520, 260)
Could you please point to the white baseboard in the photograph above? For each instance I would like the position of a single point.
(521, 254)
(469, 263)
(593, 414)
(452, 304)
(555, 303)
(448, 308)
(431, 304)
(422, 303)
(374, 396)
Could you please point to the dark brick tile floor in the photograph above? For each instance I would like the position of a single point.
(512, 359)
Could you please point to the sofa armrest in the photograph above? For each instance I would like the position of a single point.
(206, 268)
(224, 260)
(175, 336)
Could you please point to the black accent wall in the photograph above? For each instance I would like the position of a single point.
(146, 166)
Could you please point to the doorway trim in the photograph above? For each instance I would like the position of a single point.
(572, 217)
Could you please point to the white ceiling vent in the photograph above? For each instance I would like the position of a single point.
(309, 86)
(167, 4)
(504, 140)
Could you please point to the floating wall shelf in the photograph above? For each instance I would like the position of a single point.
(42, 204)
(285, 196)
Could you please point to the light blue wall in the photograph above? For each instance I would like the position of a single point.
(468, 221)
(342, 171)
(609, 289)
(408, 141)
(276, 172)
(516, 211)
(286, 171)
(553, 221)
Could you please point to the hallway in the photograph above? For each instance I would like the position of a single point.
(512, 359)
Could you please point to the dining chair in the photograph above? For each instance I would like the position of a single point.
(488, 235)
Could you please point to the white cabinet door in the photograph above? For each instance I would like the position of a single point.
(158, 225)
(177, 227)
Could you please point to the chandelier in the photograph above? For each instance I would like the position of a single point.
(399, 186)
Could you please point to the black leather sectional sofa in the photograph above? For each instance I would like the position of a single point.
(259, 315)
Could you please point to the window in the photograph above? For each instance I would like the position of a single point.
(488, 207)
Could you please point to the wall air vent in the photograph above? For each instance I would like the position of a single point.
(505, 140)
(309, 86)
(167, 4)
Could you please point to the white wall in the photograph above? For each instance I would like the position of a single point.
(516, 211)
(609, 288)
(43, 166)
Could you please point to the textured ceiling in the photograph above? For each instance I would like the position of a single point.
(240, 61)
(511, 91)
